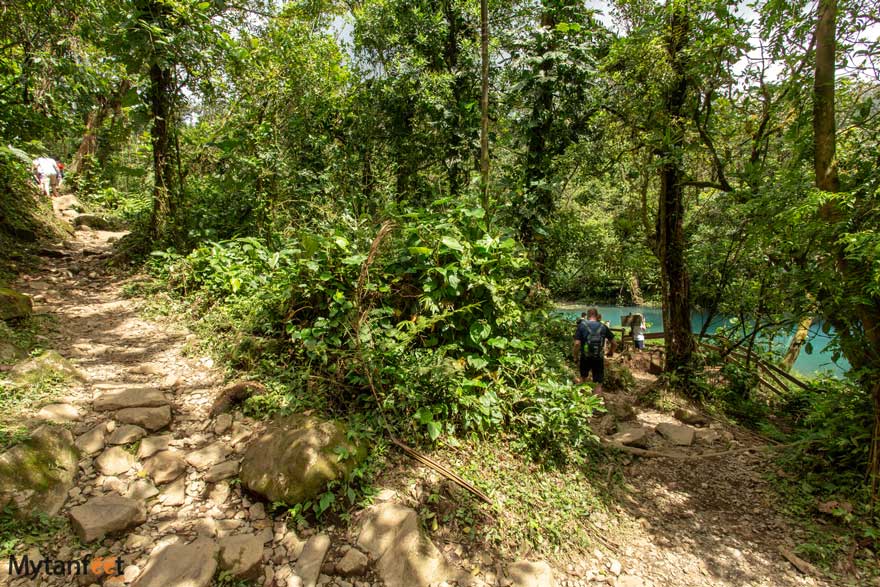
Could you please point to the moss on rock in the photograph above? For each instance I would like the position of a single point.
(296, 457)
(36, 474)
(14, 304)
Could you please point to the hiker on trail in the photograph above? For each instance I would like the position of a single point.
(638, 333)
(581, 319)
(589, 348)
(638, 330)
(47, 175)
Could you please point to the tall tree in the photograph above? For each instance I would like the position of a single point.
(856, 314)
(671, 243)
(484, 105)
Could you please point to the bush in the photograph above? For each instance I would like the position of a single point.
(430, 315)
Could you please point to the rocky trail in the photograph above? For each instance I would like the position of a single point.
(155, 481)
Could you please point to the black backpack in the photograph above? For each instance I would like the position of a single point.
(595, 343)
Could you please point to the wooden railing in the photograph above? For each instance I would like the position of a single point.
(770, 372)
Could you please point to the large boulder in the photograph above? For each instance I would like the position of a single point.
(94, 221)
(36, 475)
(48, 365)
(295, 458)
(14, 304)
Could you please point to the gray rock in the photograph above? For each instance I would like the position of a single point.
(308, 565)
(138, 397)
(241, 556)
(126, 434)
(153, 444)
(37, 474)
(137, 541)
(220, 493)
(59, 413)
(181, 565)
(67, 202)
(209, 455)
(689, 417)
(93, 221)
(141, 489)
(296, 457)
(92, 441)
(224, 470)
(353, 564)
(165, 466)
(175, 493)
(115, 461)
(707, 435)
(390, 533)
(149, 418)
(525, 573)
(678, 435)
(223, 423)
(104, 515)
(637, 437)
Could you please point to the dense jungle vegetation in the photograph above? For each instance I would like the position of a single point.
(328, 190)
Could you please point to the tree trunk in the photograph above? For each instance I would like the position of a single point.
(484, 104)
(540, 203)
(797, 342)
(163, 169)
(671, 242)
(635, 290)
(824, 126)
(94, 121)
(860, 331)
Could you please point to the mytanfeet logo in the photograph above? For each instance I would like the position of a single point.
(88, 565)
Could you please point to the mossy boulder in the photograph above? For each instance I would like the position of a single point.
(49, 365)
(14, 304)
(36, 474)
(295, 458)
(9, 353)
(96, 222)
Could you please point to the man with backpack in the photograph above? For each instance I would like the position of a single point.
(589, 347)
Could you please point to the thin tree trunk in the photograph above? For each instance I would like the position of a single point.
(160, 109)
(797, 342)
(671, 242)
(635, 290)
(94, 121)
(484, 102)
(540, 202)
(824, 125)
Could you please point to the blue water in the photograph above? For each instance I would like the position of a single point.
(817, 361)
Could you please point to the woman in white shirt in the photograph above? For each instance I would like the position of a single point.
(47, 173)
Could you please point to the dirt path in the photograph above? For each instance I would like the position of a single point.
(707, 522)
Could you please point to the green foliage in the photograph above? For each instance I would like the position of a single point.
(435, 323)
(36, 530)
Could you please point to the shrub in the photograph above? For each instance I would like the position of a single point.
(430, 316)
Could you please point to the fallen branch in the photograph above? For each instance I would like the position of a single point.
(798, 563)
